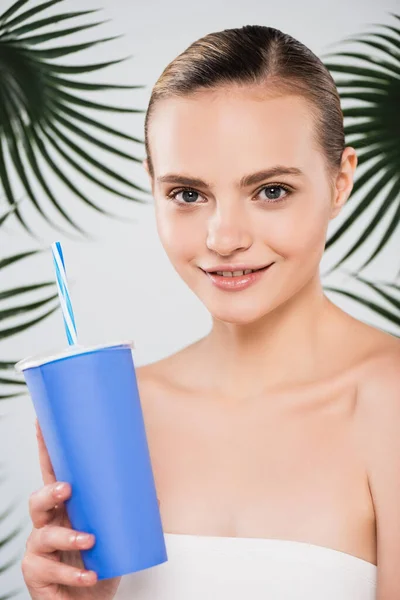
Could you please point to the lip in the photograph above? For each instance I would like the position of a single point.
(239, 282)
(235, 267)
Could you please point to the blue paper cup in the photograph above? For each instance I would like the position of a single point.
(88, 407)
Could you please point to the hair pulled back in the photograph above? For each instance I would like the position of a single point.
(257, 55)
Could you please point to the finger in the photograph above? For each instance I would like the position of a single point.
(41, 571)
(51, 538)
(43, 501)
(46, 467)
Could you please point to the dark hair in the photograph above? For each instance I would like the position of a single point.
(256, 54)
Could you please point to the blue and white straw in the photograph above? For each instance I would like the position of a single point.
(63, 293)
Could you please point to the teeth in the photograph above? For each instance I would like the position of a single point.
(234, 273)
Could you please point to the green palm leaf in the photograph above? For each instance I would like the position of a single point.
(9, 331)
(390, 313)
(9, 260)
(373, 82)
(8, 212)
(380, 290)
(41, 119)
(6, 540)
(27, 316)
(41, 122)
(7, 364)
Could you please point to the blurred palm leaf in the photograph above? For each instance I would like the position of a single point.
(40, 108)
(12, 385)
(373, 82)
(388, 292)
(5, 517)
(27, 314)
(8, 212)
(44, 119)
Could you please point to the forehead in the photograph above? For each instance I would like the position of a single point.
(232, 129)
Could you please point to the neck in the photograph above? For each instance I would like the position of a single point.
(283, 347)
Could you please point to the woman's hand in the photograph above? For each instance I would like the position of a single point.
(52, 566)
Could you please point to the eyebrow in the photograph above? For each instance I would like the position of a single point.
(245, 181)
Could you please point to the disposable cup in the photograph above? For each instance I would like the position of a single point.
(87, 403)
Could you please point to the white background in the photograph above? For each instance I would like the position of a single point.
(122, 285)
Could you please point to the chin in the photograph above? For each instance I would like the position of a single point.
(238, 315)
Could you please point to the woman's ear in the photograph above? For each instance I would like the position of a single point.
(145, 163)
(344, 180)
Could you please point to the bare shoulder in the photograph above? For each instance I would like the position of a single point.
(150, 378)
(365, 350)
(380, 368)
(378, 386)
(378, 392)
(170, 372)
(378, 412)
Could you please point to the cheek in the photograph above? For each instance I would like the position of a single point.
(179, 236)
(298, 232)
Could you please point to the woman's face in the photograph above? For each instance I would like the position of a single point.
(230, 218)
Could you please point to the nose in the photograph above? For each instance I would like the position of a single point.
(228, 231)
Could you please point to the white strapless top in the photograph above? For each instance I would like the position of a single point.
(228, 568)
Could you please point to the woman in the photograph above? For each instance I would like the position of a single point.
(274, 439)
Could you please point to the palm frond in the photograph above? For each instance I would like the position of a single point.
(372, 82)
(41, 117)
(7, 364)
(6, 332)
(8, 212)
(379, 288)
(27, 314)
(390, 312)
(388, 177)
(9, 260)
(4, 516)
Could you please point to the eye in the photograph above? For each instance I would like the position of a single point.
(189, 196)
(273, 192)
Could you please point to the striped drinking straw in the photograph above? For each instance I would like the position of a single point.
(63, 293)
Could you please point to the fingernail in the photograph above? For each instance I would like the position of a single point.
(59, 489)
(87, 576)
(83, 538)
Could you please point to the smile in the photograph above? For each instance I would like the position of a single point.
(236, 280)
